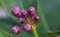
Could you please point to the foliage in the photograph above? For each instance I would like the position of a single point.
(48, 10)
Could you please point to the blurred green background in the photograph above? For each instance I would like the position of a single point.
(48, 10)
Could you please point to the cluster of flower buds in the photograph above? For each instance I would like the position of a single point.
(22, 16)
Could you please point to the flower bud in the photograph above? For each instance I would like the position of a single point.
(16, 11)
(24, 13)
(32, 11)
(21, 20)
(37, 19)
(27, 27)
(16, 29)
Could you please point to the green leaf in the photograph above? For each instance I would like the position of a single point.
(4, 34)
(49, 11)
(57, 36)
(43, 25)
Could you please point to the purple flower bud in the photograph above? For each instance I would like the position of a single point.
(27, 27)
(21, 20)
(37, 19)
(16, 11)
(24, 13)
(16, 29)
(32, 11)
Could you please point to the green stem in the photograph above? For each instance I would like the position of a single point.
(33, 28)
(34, 31)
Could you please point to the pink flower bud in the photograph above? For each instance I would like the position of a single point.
(37, 19)
(16, 11)
(24, 13)
(16, 29)
(27, 27)
(21, 20)
(32, 11)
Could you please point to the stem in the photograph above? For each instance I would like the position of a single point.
(33, 28)
(34, 31)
